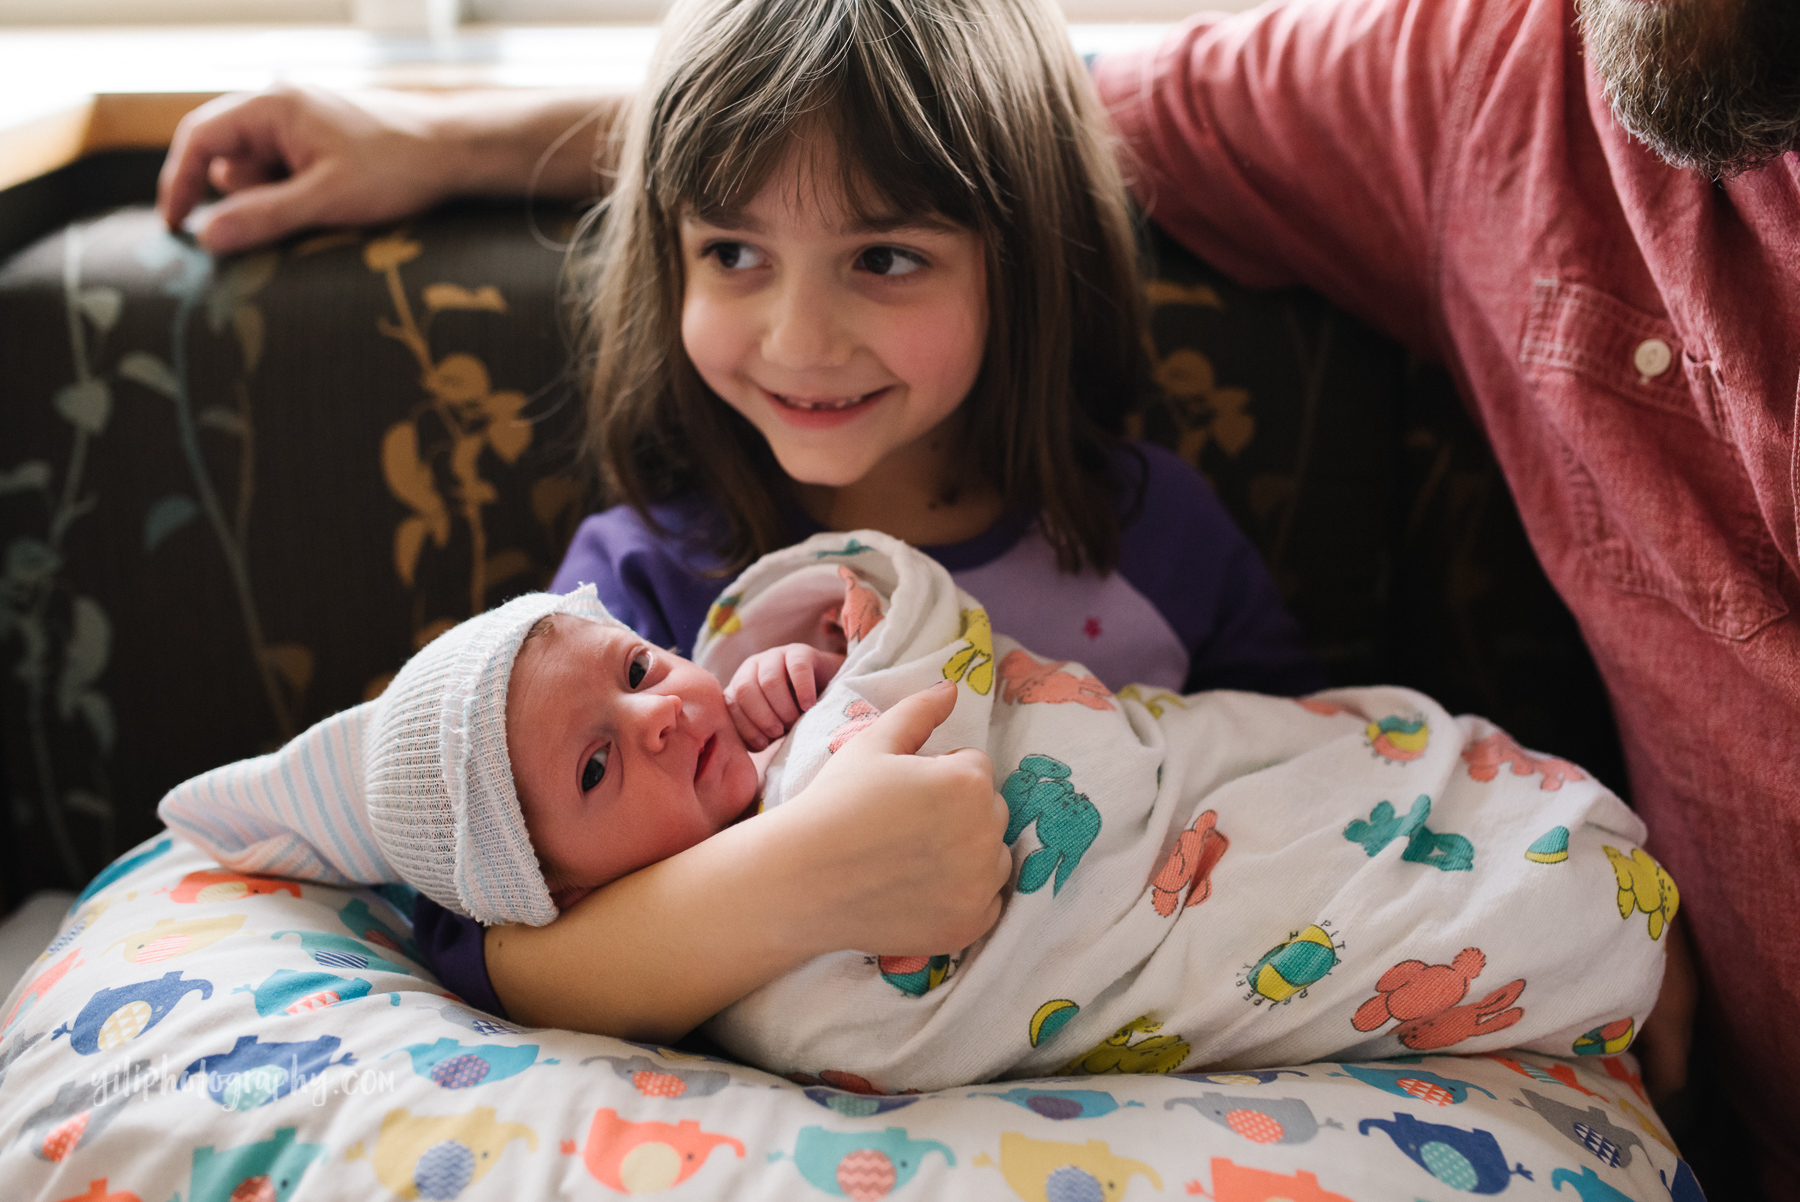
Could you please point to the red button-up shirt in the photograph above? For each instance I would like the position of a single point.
(1628, 335)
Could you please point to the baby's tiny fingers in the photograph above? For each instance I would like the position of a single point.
(748, 696)
(771, 676)
(800, 673)
(753, 738)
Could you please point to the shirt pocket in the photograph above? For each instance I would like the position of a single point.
(1655, 491)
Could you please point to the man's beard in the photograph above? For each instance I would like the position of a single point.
(1708, 84)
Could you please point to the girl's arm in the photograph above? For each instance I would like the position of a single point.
(885, 850)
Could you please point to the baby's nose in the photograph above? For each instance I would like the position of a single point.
(659, 714)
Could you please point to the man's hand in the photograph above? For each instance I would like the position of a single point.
(1668, 1034)
(772, 688)
(897, 853)
(294, 157)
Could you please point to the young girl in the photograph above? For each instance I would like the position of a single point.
(871, 266)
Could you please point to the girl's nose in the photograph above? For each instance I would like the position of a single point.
(806, 329)
(654, 718)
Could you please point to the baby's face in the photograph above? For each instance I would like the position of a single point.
(622, 754)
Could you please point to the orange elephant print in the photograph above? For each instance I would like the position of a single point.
(1423, 999)
(1484, 757)
(647, 1158)
(1029, 681)
(862, 607)
(1197, 852)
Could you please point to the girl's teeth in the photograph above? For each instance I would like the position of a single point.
(845, 403)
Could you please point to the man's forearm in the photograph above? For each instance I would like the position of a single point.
(513, 143)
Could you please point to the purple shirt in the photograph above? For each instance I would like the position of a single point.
(1189, 607)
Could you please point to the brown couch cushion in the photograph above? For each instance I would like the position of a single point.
(235, 495)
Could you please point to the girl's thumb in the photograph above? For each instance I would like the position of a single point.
(903, 729)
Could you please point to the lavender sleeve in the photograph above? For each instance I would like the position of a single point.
(455, 949)
(659, 582)
(1181, 549)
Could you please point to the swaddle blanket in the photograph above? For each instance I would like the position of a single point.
(1223, 880)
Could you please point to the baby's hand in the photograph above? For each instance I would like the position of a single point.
(772, 688)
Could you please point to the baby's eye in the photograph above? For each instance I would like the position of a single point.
(736, 256)
(594, 771)
(639, 667)
(889, 260)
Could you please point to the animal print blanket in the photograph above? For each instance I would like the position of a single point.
(1210, 882)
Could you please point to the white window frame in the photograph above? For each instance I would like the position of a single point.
(382, 13)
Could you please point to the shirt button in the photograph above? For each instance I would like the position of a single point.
(1652, 358)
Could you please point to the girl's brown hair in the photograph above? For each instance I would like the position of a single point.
(977, 111)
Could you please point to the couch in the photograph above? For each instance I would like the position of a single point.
(236, 494)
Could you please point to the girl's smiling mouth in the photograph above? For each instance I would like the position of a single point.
(812, 411)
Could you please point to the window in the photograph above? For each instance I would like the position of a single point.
(416, 13)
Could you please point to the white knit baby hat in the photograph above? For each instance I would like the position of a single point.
(437, 778)
(415, 785)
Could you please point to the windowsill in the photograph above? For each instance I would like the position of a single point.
(72, 92)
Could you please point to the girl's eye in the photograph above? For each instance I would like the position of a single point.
(889, 260)
(639, 667)
(594, 771)
(736, 256)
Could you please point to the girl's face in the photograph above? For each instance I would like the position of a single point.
(845, 344)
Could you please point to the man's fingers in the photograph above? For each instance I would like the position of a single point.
(258, 215)
(223, 128)
(228, 175)
(903, 729)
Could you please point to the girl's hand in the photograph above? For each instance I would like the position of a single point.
(885, 852)
(772, 688)
(895, 853)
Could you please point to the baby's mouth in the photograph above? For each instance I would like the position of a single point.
(826, 404)
(705, 756)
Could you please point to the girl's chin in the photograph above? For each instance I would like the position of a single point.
(823, 467)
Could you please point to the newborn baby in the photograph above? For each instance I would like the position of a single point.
(523, 758)
(1221, 880)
